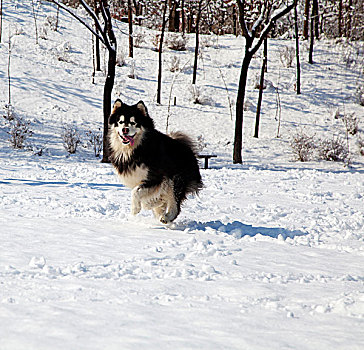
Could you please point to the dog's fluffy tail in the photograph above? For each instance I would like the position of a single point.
(191, 181)
(186, 140)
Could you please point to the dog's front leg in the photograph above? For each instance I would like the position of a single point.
(135, 201)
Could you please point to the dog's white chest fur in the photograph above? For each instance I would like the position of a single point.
(134, 178)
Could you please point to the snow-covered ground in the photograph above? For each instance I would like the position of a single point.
(269, 256)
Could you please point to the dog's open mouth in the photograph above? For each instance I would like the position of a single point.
(127, 139)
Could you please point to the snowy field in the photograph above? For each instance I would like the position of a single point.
(269, 256)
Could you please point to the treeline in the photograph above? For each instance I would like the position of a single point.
(330, 18)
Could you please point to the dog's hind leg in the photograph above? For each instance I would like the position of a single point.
(159, 211)
(170, 213)
(171, 208)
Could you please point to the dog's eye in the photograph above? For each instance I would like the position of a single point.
(132, 123)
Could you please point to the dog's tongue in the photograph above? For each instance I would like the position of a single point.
(131, 140)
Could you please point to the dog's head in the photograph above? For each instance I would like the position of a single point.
(128, 123)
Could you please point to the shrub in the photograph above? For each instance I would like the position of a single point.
(132, 71)
(9, 112)
(155, 42)
(360, 95)
(71, 138)
(62, 52)
(351, 123)
(95, 141)
(303, 146)
(138, 38)
(361, 145)
(120, 58)
(198, 96)
(177, 41)
(174, 64)
(19, 131)
(286, 56)
(335, 150)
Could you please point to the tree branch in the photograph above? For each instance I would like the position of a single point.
(269, 26)
(80, 20)
(258, 22)
(244, 28)
(88, 9)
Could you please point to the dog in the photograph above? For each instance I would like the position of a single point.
(160, 169)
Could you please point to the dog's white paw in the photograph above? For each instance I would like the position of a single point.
(167, 218)
(136, 205)
(135, 209)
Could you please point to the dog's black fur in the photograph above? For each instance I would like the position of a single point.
(161, 169)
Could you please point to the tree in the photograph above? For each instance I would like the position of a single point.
(306, 20)
(1, 18)
(130, 20)
(199, 10)
(173, 22)
(106, 35)
(261, 88)
(298, 78)
(252, 44)
(314, 20)
(164, 22)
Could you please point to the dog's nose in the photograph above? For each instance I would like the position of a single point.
(125, 130)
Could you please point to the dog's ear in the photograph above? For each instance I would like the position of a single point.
(148, 121)
(142, 108)
(117, 104)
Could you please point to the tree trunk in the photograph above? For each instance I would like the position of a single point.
(108, 87)
(1, 19)
(315, 11)
(348, 20)
(298, 78)
(340, 19)
(306, 20)
(159, 88)
(130, 20)
(235, 30)
(172, 14)
(109, 82)
(238, 141)
(194, 76)
(57, 19)
(261, 87)
(312, 37)
(183, 17)
(97, 42)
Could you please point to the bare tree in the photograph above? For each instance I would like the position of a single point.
(314, 18)
(261, 88)
(252, 44)
(197, 29)
(164, 22)
(106, 35)
(10, 46)
(35, 14)
(97, 40)
(1, 18)
(298, 65)
(306, 20)
(130, 20)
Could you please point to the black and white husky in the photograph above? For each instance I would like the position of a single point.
(160, 169)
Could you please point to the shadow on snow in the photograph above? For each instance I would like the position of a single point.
(239, 230)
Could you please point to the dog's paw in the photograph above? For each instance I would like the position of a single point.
(135, 209)
(136, 205)
(167, 218)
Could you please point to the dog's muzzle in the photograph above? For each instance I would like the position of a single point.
(127, 139)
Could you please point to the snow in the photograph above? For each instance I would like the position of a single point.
(269, 256)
